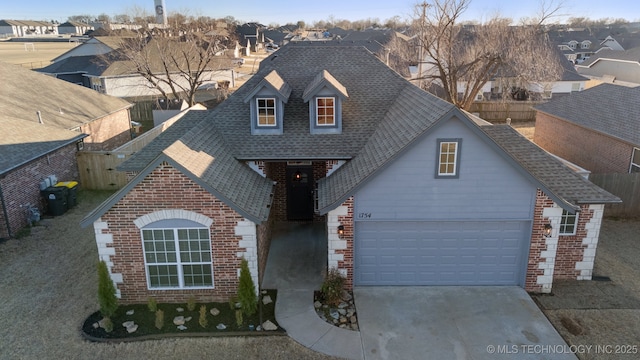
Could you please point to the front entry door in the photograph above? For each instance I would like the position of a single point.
(300, 193)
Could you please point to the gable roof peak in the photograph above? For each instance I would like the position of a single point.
(324, 78)
(274, 82)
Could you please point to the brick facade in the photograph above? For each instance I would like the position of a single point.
(108, 132)
(340, 248)
(163, 189)
(561, 256)
(580, 145)
(21, 186)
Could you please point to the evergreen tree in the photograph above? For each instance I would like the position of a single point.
(247, 290)
(106, 291)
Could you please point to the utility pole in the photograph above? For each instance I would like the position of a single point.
(423, 21)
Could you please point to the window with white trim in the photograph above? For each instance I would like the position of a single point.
(635, 161)
(568, 223)
(448, 158)
(178, 258)
(266, 111)
(325, 111)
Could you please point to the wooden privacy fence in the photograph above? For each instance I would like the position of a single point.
(624, 186)
(98, 169)
(498, 111)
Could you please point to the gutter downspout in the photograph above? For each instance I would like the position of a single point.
(4, 212)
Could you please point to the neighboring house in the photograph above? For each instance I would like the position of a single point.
(411, 189)
(251, 37)
(118, 77)
(74, 28)
(43, 123)
(18, 28)
(95, 46)
(597, 129)
(620, 66)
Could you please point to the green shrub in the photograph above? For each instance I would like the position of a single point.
(332, 287)
(106, 291)
(239, 317)
(247, 290)
(159, 319)
(203, 316)
(191, 303)
(107, 324)
(152, 304)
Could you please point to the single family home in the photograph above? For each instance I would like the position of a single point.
(44, 122)
(412, 190)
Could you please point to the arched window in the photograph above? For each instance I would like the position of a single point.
(177, 254)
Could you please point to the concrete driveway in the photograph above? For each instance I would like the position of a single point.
(455, 323)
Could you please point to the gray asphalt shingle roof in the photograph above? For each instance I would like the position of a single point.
(549, 171)
(63, 107)
(609, 109)
(382, 116)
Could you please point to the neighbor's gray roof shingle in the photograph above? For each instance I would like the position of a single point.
(61, 104)
(610, 109)
(548, 170)
(22, 141)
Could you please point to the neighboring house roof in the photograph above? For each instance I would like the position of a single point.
(549, 170)
(74, 24)
(60, 103)
(23, 141)
(632, 55)
(25, 23)
(382, 117)
(89, 64)
(609, 109)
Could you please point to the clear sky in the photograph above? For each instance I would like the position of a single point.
(289, 11)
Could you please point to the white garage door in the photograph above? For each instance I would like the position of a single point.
(440, 253)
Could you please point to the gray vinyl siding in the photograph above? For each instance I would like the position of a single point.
(488, 187)
(623, 71)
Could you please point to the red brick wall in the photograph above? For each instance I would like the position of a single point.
(570, 248)
(347, 263)
(593, 151)
(22, 185)
(537, 243)
(108, 132)
(167, 188)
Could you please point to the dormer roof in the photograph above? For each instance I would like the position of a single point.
(322, 80)
(274, 82)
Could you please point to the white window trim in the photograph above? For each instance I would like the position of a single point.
(565, 215)
(318, 108)
(275, 112)
(455, 159)
(635, 163)
(178, 262)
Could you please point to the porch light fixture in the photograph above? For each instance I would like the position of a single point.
(547, 229)
(340, 230)
(297, 175)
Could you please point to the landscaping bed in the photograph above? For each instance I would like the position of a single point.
(138, 322)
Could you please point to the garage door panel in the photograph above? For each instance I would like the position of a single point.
(440, 253)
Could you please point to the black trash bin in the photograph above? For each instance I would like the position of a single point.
(56, 200)
(72, 196)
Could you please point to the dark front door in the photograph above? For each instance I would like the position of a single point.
(300, 193)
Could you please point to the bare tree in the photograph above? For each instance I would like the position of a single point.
(176, 66)
(460, 59)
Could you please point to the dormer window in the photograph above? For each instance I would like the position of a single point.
(267, 101)
(325, 111)
(266, 111)
(325, 95)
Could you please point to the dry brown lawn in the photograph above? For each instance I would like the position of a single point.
(15, 53)
(49, 286)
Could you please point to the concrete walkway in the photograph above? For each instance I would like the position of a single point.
(297, 259)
